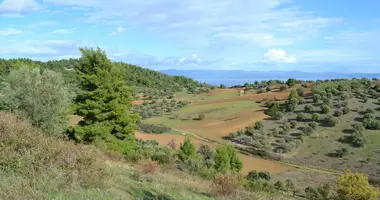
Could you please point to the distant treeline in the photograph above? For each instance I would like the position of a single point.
(134, 75)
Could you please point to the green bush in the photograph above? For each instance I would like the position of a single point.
(331, 120)
(154, 128)
(372, 124)
(317, 98)
(201, 116)
(278, 115)
(316, 117)
(301, 92)
(293, 124)
(307, 130)
(226, 159)
(345, 110)
(301, 117)
(42, 97)
(325, 109)
(308, 108)
(338, 113)
(284, 87)
(313, 125)
(291, 82)
(259, 125)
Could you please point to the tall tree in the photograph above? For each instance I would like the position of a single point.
(104, 101)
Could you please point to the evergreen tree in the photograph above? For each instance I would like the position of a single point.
(226, 159)
(104, 101)
(187, 150)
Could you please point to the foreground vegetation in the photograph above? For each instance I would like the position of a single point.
(43, 158)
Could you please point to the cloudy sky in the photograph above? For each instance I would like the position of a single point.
(305, 35)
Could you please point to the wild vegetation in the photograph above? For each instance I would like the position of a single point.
(99, 157)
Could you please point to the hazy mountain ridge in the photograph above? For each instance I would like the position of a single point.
(236, 77)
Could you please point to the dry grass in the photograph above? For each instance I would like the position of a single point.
(224, 185)
(36, 165)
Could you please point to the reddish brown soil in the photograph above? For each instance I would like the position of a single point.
(253, 97)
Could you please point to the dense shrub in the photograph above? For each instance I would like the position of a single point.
(206, 152)
(325, 109)
(316, 117)
(291, 82)
(327, 101)
(317, 98)
(308, 108)
(43, 98)
(293, 124)
(337, 113)
(273, 108)
(355, 190)
(279, 185)
(254, 176)
(187, 150)
(301, 117)
(226, 159)
(284, 87)
(154, 128)
(301, 92)
(259, 125)
(278, 115)
(313, 125)
(372, 124)
(307, 130)
(331, 120)
(345, 110)
(201, 116)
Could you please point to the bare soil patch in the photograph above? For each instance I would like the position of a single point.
(253, 97)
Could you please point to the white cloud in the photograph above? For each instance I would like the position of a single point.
(40, 49)
(277, 56)
(65, 31)
(41, 24)
(194, 59)
(9, 31)
(119, 29)
(200, 24)
(19, 6)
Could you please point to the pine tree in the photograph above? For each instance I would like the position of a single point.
(187, 150)
(104, 101)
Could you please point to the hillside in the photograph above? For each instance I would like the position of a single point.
(134, 75)
(102, 139)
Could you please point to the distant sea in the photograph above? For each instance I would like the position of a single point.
(239, 77)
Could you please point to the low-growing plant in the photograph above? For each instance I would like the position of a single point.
(325, 109)
(293, 124)
(224, 185)
(313, 125)
(308, 108)
(345, 110)
(301, 117)
(316, 117)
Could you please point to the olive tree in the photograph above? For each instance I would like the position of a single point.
(42, 97)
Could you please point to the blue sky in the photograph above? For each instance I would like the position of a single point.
(307, 35)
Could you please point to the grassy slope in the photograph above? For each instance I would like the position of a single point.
(314, 151)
